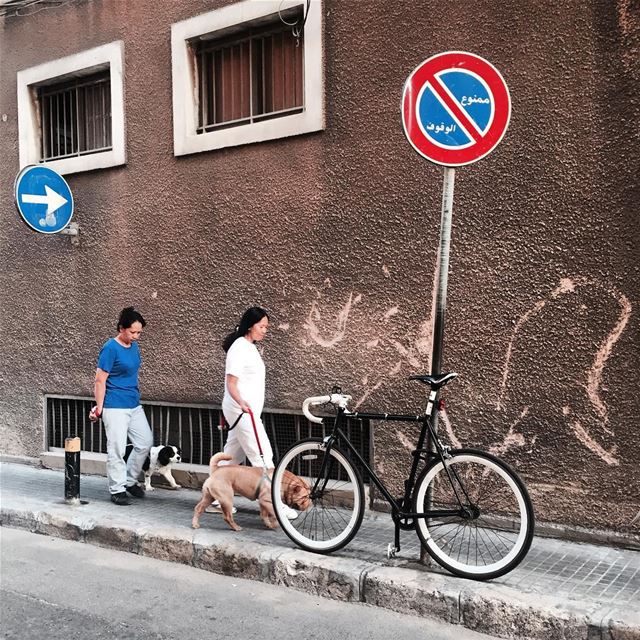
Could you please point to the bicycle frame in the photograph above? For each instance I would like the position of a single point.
(398, 505)
(470, 509)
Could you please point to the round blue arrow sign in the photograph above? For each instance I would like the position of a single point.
(43, 199)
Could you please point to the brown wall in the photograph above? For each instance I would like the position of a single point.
(336, 233)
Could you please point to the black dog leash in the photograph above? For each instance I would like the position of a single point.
(225, 425)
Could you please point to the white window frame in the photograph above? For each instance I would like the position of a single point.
(185, 89)
(108, 56)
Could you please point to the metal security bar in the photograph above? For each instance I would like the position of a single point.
(249, 78)
(192, 427)
(76, 117)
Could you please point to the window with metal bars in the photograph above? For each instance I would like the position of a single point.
(250, 77)
(193, 428)
(76, 117)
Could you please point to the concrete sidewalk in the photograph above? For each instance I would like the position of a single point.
(561, 590)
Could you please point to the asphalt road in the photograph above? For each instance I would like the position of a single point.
(57, 589)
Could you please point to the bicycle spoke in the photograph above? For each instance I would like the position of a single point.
(336, 500)
(495, 526)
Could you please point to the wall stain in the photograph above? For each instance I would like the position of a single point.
(593, 375)
(413, 349)
(315, 318)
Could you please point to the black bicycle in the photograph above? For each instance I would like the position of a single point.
(471, 511)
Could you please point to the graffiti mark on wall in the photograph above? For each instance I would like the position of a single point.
(314, 320)
(565, 286)
(592, 377)
(369, 389)
(328, 330)
(512, 439)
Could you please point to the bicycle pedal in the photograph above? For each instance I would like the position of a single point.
(391, 551)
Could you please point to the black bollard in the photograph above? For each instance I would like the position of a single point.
(72, 470)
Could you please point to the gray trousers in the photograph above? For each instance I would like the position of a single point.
(120, 423)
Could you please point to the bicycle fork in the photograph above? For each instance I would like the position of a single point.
(323, 476)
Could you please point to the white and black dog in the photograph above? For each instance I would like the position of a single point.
(159, 460)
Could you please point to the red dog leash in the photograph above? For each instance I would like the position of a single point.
(255, 431)
(225, 426)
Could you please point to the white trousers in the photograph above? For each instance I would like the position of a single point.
(242, 442)
(120, 423)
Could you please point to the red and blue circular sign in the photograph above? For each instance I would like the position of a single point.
(455, 108)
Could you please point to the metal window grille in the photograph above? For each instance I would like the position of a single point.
(252, 77)
(193, 428)
(76, 117)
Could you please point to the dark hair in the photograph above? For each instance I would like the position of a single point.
(127, 317)
(251, 316)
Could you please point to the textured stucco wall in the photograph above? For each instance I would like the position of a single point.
(336, 233)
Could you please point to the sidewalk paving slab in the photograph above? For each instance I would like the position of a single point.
(562, 590)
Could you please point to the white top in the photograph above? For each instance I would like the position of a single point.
(244, 362)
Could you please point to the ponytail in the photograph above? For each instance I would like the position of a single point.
(230, 339)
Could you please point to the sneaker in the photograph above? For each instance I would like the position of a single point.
(136, 491)
(290, 513)
(215, 508)
(120, 498)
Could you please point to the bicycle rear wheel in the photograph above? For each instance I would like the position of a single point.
(329, 498)
(493, 530)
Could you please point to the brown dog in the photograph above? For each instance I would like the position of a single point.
(251, 483)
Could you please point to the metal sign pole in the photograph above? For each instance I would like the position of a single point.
(443, 271)
(440, 303)
(455, 110)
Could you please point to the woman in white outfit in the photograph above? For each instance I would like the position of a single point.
(244, 387)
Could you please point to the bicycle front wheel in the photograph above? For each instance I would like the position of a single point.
(326, 490)
(492, 529)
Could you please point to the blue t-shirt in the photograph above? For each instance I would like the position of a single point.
(122, 364)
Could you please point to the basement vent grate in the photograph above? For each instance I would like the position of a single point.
(192, 427)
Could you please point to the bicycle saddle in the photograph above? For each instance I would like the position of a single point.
(436, 381)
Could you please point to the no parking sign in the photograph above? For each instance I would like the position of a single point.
(455, 108)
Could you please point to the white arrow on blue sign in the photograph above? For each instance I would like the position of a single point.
(43, 198)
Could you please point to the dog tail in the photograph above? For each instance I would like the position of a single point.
(213, 463)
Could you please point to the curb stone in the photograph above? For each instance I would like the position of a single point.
(412, 592)
(165, 545)
(621, 624)
(325, 576)
(490, 608)
(504, 611)
(234, 559)
(112, 537)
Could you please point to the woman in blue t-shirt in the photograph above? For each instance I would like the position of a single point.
(118, 402)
